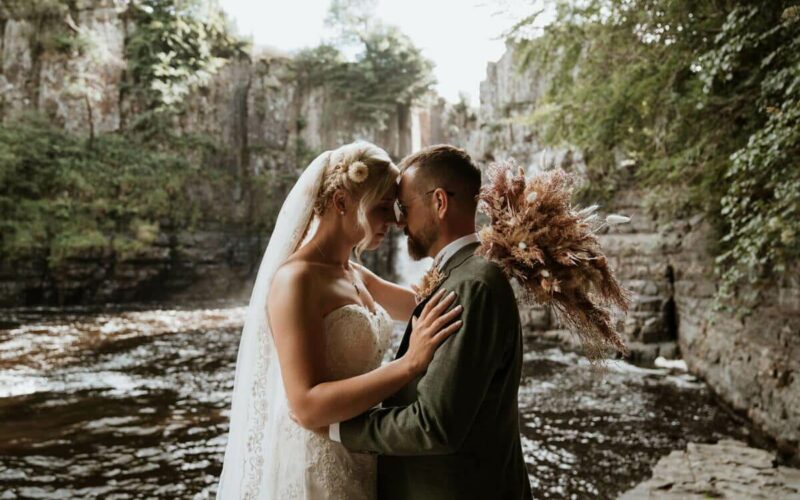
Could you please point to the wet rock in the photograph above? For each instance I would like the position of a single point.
(653, 330)
(642, 352)
(536, 318)
(728, 469)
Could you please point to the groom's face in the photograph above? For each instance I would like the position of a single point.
(421, 228)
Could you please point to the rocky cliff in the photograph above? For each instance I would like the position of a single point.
(261, 118)
(753, 363)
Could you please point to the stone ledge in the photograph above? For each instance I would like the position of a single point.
(639, 352)
(728, 469)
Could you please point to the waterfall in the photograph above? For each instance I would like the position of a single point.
(408, 271)
(416, 131)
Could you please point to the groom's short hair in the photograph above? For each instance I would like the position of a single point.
(447, 167)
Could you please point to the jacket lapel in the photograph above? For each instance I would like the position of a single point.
(456, 260)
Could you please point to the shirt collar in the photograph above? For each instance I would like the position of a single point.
(452, 248)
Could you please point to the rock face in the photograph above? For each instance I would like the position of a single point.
(37, 75)
(500, 128)
(204, 264)
(728, 469)
(752, 363)
(253, 108)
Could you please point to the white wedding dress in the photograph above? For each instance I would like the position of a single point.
(356, 342)
(268, 456)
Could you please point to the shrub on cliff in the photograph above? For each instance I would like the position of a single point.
(60, 199)
(177, 46)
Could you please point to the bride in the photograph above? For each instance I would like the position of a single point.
(316, 330)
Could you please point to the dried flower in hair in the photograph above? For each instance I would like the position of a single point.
(551, 248)
(358, 172)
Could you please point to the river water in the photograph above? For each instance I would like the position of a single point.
(133, 404)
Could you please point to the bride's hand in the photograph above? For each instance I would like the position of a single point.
(431, 329)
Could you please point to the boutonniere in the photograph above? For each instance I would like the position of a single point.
(430, 282)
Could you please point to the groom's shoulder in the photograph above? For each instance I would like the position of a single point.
(479, 271)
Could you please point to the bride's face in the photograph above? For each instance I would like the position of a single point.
(380, 218)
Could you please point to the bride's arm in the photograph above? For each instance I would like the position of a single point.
(298, 331)
(398, 300)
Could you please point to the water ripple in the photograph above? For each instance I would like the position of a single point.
(135, 405)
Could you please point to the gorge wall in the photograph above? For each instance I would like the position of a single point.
(752, 363)
(263, 120)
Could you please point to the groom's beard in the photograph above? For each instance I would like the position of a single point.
(419, 245)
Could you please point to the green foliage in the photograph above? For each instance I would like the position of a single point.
(761, 205)
(387, 71)
(61, 200)
(65, 42)
(703, 97)
(303, 154)
(178, 45)
(350, 20)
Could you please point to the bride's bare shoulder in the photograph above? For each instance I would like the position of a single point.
(295, 273)
(303, 275)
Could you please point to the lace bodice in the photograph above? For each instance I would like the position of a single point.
(356, 340)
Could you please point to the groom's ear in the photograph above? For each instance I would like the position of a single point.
(441, 202)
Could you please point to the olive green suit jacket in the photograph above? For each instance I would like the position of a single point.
(453, 433)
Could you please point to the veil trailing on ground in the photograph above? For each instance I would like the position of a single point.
(261, 454)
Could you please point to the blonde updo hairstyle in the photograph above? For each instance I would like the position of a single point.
(363, 170)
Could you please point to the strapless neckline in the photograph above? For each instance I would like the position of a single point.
(379, 310)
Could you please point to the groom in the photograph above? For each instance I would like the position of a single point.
(454, 431)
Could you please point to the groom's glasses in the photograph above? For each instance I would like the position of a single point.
(401, 211)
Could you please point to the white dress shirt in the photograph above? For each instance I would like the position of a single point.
(452, 248)
(439, 261)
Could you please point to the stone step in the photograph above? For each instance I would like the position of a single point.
(728, 469)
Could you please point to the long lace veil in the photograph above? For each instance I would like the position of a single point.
(253, 462)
